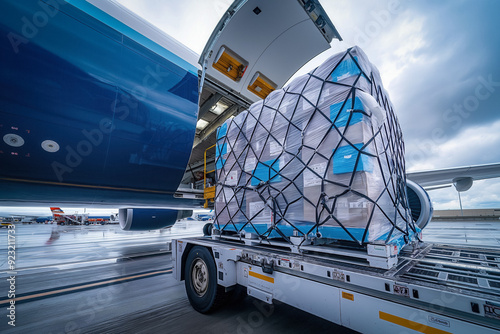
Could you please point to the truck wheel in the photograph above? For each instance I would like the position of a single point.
(207, 229)
(87, 223)
(62, 223)
(203, 292)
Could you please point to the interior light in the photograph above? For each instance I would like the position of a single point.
(201, 124)
(219, 108)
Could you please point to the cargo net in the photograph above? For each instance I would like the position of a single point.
(321, 159)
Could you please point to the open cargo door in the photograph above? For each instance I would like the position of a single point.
(259, 44)
(255, 48)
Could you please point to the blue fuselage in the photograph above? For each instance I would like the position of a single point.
(90, 110)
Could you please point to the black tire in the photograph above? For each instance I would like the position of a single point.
(87, 223)
(203, 292)
(62, 223)
(207, 229)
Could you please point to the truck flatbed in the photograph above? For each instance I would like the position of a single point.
(433, 288)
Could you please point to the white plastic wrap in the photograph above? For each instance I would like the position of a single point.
(322, 158)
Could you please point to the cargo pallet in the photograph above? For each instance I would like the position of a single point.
(374, 255)
(431, 288)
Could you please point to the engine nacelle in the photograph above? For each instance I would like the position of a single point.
(150, 219)
(420, 204)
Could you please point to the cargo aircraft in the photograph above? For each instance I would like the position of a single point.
(100, 108)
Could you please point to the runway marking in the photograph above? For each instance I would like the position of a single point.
(83, 264)
(86, 286)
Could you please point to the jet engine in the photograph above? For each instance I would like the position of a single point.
(420, 204)
(150, 219)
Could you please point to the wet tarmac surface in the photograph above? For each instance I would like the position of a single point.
(476, 233)
(99, 279)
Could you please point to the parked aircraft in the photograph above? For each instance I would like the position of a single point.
(62, 218)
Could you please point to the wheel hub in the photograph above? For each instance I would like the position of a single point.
(199, 275)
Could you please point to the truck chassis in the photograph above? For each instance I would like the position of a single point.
(431, 288)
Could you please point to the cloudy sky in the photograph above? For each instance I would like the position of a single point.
(438, 61)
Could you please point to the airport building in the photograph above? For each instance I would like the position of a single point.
(468, 214)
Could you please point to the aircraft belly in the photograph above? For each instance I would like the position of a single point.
(92, 107)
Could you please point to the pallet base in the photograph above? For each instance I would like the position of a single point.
(373, 255)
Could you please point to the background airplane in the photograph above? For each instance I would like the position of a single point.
(62, 218)
(19, 219)
(101, 108)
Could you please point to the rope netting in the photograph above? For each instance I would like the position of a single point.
(321, 158)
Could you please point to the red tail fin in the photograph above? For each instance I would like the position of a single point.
(56, 211)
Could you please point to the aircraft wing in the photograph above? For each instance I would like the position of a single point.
(452, 175)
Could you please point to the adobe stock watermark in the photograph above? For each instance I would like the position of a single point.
(454, 117)
(380, 19)
(84, 148)
(121, 107)
(32, 25)
(92, 304)
(220, 7)
(471, 103)
(11, 261)
(431, 316)
(251, 323)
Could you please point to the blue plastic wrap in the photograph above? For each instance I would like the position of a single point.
(320, 158)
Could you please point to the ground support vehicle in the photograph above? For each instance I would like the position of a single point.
(431, 288)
